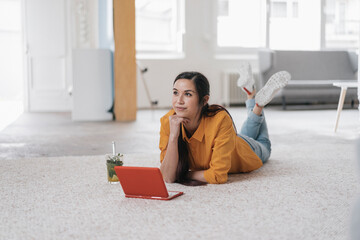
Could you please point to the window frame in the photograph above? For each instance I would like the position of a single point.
(231, 51)
(177, 52)
(237, 52)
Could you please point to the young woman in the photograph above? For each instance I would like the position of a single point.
(199, 143)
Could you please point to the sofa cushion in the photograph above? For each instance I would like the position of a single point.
(309, 66)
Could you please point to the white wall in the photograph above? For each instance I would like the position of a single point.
(200, 55)
(199, 50)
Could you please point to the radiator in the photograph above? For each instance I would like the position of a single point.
(232, 94)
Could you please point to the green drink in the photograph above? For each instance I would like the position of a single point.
(111, 162)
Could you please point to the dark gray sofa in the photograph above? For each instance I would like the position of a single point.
(320, 67)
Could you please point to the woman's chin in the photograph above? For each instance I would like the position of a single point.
(180, 113)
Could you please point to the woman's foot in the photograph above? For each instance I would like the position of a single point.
(273, 85)
(246, 81)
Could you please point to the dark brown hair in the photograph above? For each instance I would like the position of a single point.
(203, 89)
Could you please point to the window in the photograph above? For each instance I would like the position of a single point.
(11, 84)
(295, 24)
(278, 9)
(342, 24)
(288, 24)
(159, 25)
(233, 28)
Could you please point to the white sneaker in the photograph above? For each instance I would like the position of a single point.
(246, 81)
(273, 85)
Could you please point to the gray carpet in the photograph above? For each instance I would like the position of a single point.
(292, 197)
(305, 191)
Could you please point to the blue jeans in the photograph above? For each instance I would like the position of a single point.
(254, 131)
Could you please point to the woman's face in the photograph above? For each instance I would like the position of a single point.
(185, 100)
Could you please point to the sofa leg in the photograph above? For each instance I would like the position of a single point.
(283, 102)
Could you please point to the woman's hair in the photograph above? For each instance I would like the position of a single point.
(203, 89)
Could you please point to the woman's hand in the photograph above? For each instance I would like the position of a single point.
(197, 175)
(175, 122)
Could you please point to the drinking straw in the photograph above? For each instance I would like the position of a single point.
(113, 147)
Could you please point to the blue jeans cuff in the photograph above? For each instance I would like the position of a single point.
(250, 103)
(256, 118)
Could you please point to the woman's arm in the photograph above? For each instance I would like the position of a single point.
(197, 175)
(169, 164)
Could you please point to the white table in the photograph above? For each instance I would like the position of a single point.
(344, 85)
(314, 82)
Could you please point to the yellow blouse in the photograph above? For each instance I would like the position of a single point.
(214, 147)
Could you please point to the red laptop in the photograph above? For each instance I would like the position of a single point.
(144, 182)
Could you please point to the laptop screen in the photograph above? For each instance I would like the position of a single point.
(141, 181)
